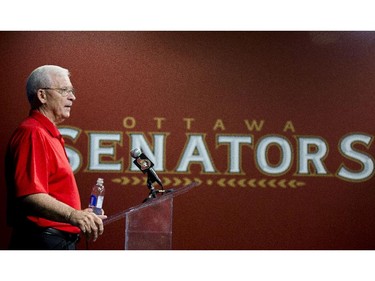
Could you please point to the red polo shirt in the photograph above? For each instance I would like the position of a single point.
(39, 164)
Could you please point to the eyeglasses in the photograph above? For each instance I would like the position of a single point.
(63, 91)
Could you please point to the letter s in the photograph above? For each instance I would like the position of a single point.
(365, 160)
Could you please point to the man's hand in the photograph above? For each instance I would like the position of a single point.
(90, 224)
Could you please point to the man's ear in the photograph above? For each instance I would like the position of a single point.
(41, 96)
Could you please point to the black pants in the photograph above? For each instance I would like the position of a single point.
(42, 239)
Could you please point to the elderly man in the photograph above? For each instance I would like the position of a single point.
(44, 206)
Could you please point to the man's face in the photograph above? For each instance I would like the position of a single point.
(59, 102)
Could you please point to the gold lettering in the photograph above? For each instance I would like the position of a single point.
(188, 122)
(158, 122)
(289, 126)
(254, 125)
(129, 122)
(219, 125)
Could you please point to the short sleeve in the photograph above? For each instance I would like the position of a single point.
(30, 162)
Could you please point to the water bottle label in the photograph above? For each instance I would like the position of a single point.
(93, 200)
(99, 203)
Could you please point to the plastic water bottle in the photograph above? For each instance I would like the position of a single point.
(97, 196)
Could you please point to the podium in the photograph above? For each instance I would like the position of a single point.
(148, 225)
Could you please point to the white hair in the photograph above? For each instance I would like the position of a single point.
(41, 77)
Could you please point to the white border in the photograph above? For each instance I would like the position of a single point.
(187, 15)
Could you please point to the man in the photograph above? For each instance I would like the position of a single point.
(44, 206)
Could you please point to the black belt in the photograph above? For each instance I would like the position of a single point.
(66, 235)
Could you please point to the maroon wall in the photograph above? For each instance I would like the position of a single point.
(301, 179)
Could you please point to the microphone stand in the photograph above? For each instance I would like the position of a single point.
(154, 191)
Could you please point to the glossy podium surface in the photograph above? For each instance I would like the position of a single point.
(149, 225)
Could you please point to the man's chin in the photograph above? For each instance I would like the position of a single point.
(62, 118)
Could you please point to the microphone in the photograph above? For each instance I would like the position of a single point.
(145, 165)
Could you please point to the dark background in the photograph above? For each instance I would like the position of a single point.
(321, 81)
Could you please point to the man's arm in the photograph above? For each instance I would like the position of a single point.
(44, 205)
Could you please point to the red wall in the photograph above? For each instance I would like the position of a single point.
(296, 86)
